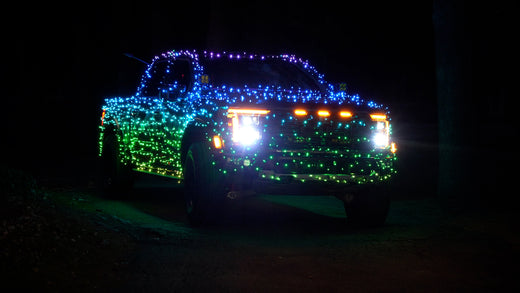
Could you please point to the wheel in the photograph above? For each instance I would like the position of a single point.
(203, 189)
(115, 178)
(368, 209)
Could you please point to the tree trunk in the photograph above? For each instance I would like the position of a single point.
(455, 105)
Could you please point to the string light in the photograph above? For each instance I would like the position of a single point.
(300, 143)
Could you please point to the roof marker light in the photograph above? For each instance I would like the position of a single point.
(300, 112)
(323, 113)
(345, 114)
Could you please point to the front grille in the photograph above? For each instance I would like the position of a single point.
(312, 148)
(284, 131)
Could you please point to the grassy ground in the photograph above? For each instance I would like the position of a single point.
(46, 247)
(64, 239)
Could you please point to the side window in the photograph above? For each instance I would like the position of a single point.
(154, 84)
(177, 79)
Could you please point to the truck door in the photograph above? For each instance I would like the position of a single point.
(159, 117)
(172, 114)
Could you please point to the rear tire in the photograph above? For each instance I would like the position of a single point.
(203, 189)
(368, 209)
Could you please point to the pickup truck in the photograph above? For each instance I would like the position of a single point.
(229, 125)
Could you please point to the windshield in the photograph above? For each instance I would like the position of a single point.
(268, 72)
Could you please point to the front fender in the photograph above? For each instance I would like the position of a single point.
(197, 130)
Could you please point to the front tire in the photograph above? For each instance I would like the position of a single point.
(203, 190)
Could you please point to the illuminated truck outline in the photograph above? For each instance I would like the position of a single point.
(289, 133)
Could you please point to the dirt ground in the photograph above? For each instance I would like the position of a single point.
(70, 239)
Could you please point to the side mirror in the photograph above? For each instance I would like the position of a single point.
(342, 87)
(339, 87)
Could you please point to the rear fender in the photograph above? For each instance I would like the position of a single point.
(110, 126)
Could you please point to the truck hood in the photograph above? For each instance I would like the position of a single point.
(287, 98)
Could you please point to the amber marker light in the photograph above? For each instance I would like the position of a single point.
(345, 114)
(103, 116)
(323, 113)
(300, 112)
(217, 142)
(393, 147)
(378, 117)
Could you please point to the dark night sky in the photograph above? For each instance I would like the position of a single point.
(63, 60)
(380, 48)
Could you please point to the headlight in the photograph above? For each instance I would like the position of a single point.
(380, 140)
(245, 125)
(380, 131)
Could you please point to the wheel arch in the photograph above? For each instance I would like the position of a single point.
(196, 131)
(111, 126)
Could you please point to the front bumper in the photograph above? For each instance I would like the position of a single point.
(304, 172)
